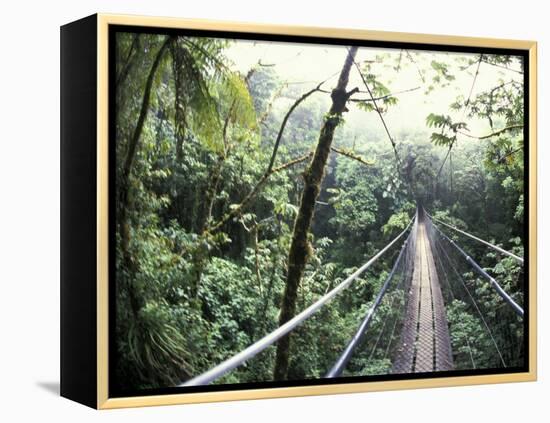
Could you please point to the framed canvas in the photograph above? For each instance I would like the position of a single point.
(256, 211)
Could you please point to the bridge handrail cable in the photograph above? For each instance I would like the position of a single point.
(517, 308)
(346, 355)
(494, 247)
(474, 302)
(249, 352)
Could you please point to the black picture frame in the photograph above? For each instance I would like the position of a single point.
(88, 354)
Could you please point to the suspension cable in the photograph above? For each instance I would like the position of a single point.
(494, 247)
(341, 362)
(437, 246)
(473, 301)
(402, 299)
(404, 285)
(283, 330)
(382, 329)
(479, 269)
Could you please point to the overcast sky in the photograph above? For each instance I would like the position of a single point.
(312, 63)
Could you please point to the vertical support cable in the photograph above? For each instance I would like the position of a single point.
(517, 309)
(346, 355)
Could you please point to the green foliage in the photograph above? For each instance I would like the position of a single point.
(469, 341)
(449, 129)
(442, 72)
(242, 112)
(156, 345)
(191, 294)
(396, 223)
(351, 217)
(378, 89)
(192, 68)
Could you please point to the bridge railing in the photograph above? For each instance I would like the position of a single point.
(468, 287)
(283, 330)
(478, 269)
(475, 238)
(394, 290)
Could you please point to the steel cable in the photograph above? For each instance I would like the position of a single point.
(474, 303)
(505, 296)
(249, 352)
(494, 247)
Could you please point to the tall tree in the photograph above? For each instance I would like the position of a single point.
(313, 176)
(124, 190)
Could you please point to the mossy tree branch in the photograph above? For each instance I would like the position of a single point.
(238, 209)
(124, 231)
(129, 61)
(382, 98)
(136, 135)
(283, 124)
(270, 168)
(313, 176)
(352, 155)
(493, 134)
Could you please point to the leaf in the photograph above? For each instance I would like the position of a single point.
(438, 121)
(442, 140)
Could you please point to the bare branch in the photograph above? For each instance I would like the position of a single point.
(503, 67)
(444, 161)
(285, 120)
(398, 160)
(268, 108)
(492, 134)
(398, 163)
(128, 61)
(409, 56)
(270, 168)
(498, 87)
(501, 159)
(398, 67)
(466, 104)
(266, 65)
(236, 211)
(384, 97)
(352, 155)
(136, 135)
(472, 87)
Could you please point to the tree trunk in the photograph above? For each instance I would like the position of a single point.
(124, 187)
(451, 165)
(313, 176)
(210, 195)
(129, 61)
(136, 136)
(180, 105)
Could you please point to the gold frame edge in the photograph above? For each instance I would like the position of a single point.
(102, 213)
(103, 400)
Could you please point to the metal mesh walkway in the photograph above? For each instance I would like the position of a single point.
(425, 345)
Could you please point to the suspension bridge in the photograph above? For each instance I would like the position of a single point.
(409, 310)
